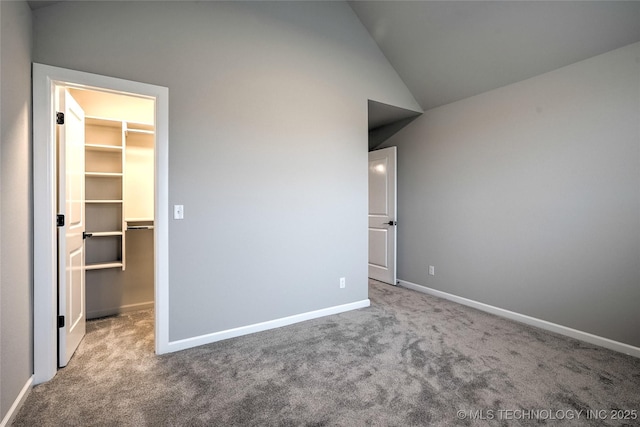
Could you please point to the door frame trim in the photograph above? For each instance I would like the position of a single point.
(45, 299)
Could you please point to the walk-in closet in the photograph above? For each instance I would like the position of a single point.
(119, 201)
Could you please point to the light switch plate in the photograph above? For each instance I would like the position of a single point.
(178, 211)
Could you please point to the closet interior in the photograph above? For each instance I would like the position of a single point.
(119, 201)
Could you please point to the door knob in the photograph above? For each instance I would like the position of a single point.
(391, 223)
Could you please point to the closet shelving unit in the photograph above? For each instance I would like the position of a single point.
(110, 175)
(104, 196)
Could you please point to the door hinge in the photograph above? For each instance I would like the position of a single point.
(59, 118)
(60, 321)
(60, 220)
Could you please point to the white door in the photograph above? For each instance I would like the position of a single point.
(382, 215)
(71, 271)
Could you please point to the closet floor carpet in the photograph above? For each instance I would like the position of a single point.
(409, 359)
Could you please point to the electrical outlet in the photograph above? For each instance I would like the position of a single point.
(343, 282)
(432, 270)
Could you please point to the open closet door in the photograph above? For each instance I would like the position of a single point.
(71, 256)
(382, 215)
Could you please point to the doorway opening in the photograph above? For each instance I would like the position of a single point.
(384, 121)
(119, 201)
(117, 206)
(125, 182)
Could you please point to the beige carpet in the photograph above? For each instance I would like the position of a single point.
(409, 359)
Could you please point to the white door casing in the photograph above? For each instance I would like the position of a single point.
(71, 256)
(382, 215)
(46, 79)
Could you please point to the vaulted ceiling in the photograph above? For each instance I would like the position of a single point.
(450, 50)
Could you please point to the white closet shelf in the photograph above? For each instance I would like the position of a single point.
(101, 265)
(102, 121)
(100, 147)
(104, 174)
(139, 126)
(105, 233)
(140, 227)
(142, 131)
(103, 201)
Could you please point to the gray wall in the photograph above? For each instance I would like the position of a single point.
(16, 279)
(268, 143)
(527, 197)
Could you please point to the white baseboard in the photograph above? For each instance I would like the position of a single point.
(263, 326)
(17, 404)
(522, 318)
(118, 310)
